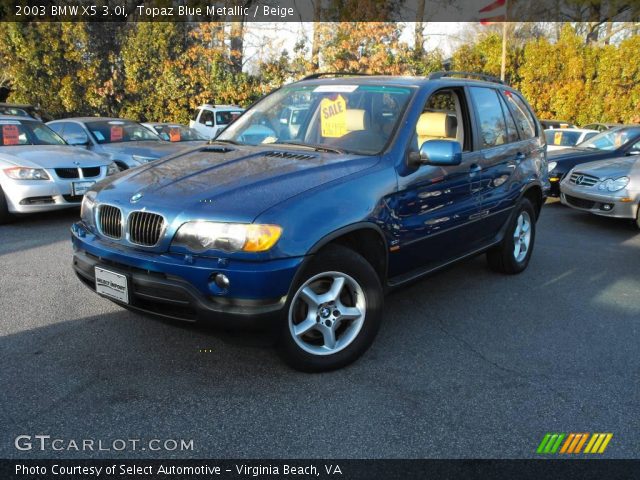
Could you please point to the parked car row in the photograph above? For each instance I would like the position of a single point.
(47, 167)
(601, 174)
(39, 171)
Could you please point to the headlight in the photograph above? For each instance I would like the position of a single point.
(614, 185)
(141, 159)
(231, 237)
(87, 207)
(551, 166)
(23, 173)
(112, 169)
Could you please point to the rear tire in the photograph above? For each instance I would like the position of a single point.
(512, 255)
(638, 217)
(334, 312)
(5, 216)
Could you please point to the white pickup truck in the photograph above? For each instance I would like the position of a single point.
(210, 120)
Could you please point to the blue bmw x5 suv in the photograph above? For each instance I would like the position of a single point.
(382, 181)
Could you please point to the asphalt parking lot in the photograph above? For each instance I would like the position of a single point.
(468, 363)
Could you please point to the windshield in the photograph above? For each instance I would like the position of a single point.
(342, 117)
(27, 132)
(117, 131)
(562, 137)
(611, 139)
(177, 133)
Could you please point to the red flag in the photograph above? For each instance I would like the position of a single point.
(494, 12)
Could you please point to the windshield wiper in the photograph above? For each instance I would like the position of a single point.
(232, 142)
(317, 148)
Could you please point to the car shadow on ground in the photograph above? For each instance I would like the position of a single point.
(37, 229)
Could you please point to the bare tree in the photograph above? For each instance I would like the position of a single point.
(317, 37)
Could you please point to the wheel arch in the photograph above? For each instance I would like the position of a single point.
(366, 239)
(534, 194)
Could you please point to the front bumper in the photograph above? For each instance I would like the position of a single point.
(31, 196)
(606, 204)
(172, 286)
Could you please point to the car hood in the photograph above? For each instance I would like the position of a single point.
(147, 148)
(51, 156)
(227, 183)
(573, 153)
(612, 168)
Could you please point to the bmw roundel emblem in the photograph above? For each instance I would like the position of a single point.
(136, 197)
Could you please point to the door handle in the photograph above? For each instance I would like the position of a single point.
(520, 156)
(475, 168)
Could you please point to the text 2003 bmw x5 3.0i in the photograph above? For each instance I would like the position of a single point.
(382, 180)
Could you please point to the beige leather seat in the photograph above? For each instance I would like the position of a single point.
(357, 120)
(436, 126)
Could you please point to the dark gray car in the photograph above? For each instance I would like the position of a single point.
(127, 143)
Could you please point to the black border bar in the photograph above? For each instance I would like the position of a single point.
(348, 469)
(319, 10)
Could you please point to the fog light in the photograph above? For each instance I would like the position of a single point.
(221, 280)
(606, 207)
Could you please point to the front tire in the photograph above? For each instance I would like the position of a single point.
(512, 255)
(334, 313)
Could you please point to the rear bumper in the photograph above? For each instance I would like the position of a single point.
(167, 286)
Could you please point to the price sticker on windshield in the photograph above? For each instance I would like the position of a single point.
(116, 133)
(174, 134)
(10, 135)
(333, 119)
(557, 138)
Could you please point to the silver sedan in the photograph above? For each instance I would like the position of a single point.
(606, 187)
(40, 172)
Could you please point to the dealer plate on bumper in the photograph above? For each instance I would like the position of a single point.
(112, 284)
(80, 188)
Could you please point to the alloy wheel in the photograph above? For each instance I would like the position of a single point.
(522, 236)
(327, 313)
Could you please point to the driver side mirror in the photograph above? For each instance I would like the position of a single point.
(442, 153)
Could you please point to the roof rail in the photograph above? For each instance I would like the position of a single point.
(481, 76)
(325, 74)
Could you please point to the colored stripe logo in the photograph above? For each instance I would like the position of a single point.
(573, 443)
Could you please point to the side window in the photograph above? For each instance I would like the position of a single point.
(207, 116)
(44, 135)
(194, 117)
(58, 128)
(223, 118)
(493, 128)
(512, 131)
(444, 117)
(73, 133)
(522, 115)
(635, 149)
